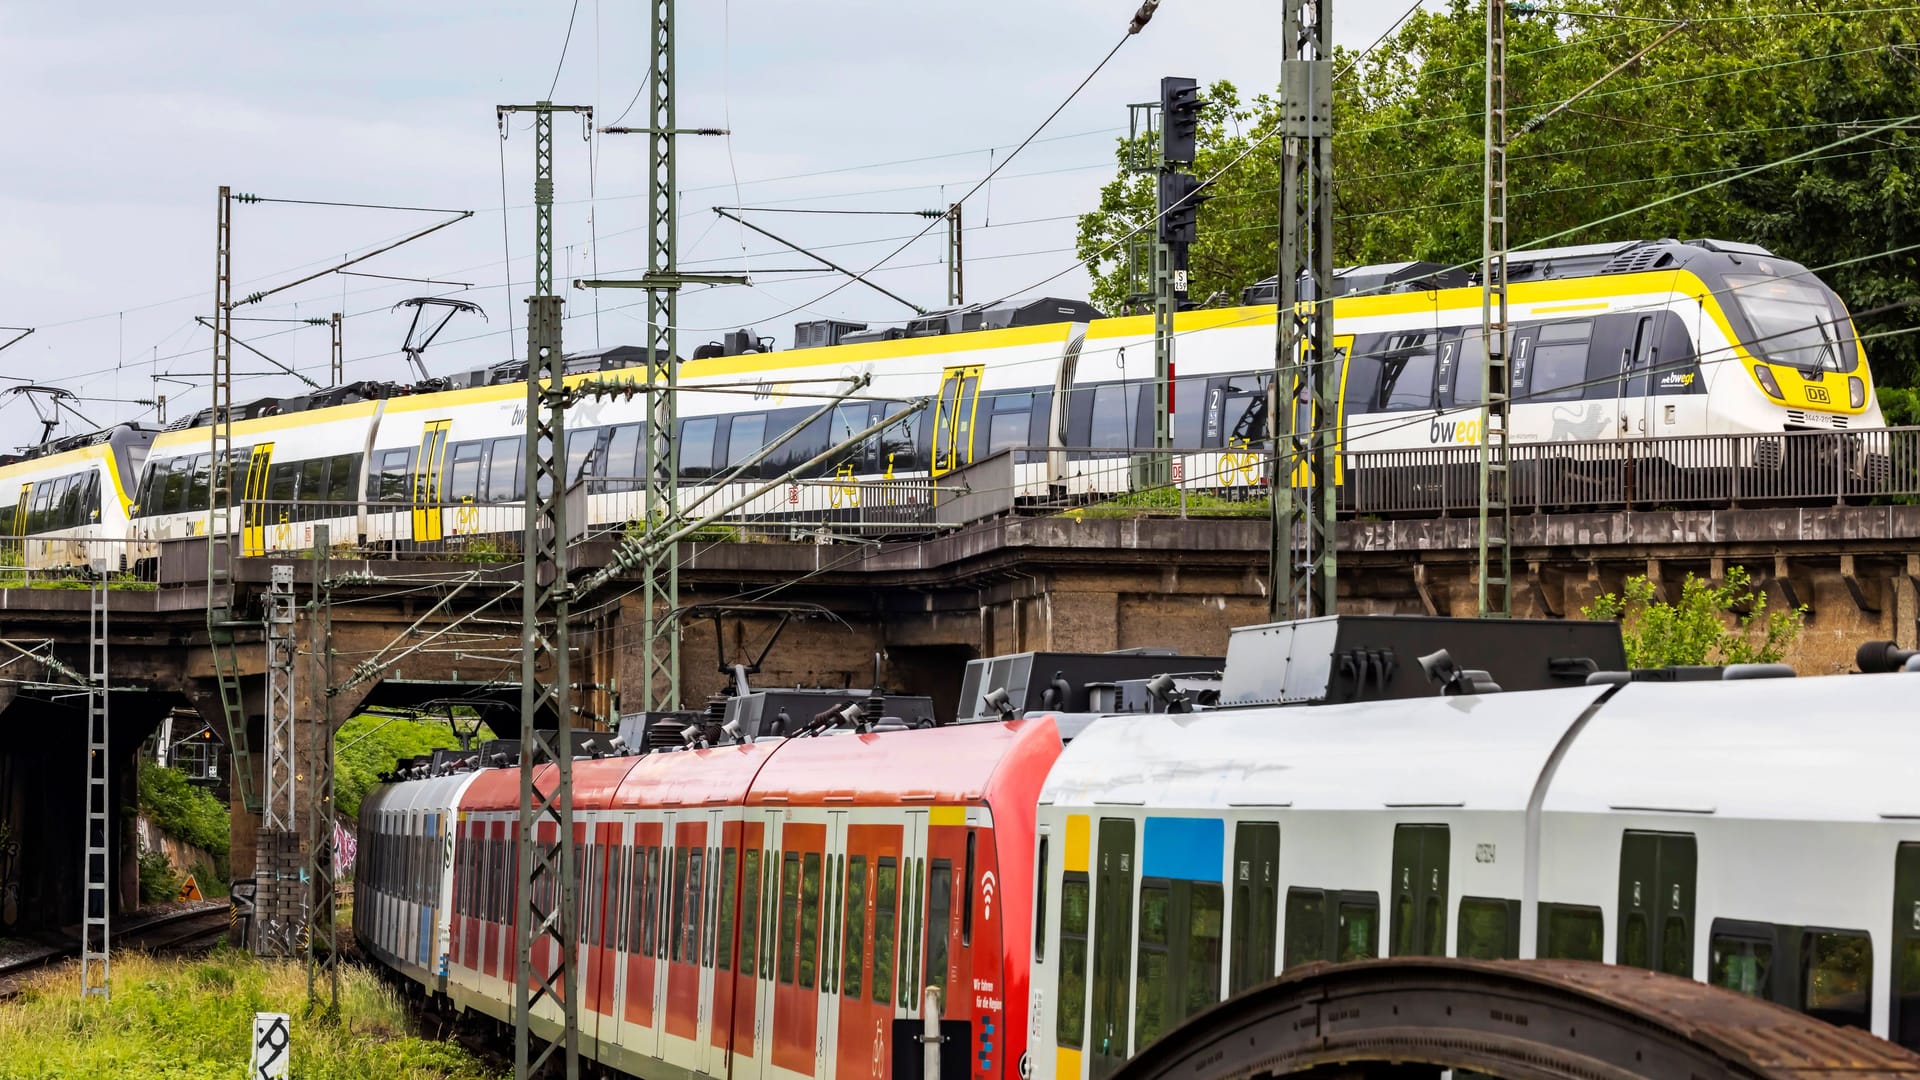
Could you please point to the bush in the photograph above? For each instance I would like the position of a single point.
(369, 745)
(1710, 624)
(158, 882)
(185, 812)
(1900, 405)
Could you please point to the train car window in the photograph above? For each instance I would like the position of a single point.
(1256, 858)
(340, 473)
(1040, 907)
(1656, 901)
(966, 894)
(1741, 956)
(856, 929)
(1638, 358)
(939, 923)
(66, 508)
(1419, 890)
(706, 893)
(656, 900)
(283, 486)
(886, 892)
(1011, 421)
(845, 422)
(1407, 372)
(1467, 373)
(723, 926)
(1070, 1013)
(1488, 929)
(392, 482)
(1040, 418)
(463, 472)
(899, 448)
(1559, 362)
(789, 914)
(687, 943)
(809, 919)
(1206, 911)
(749, 910)
(1903, 1020)
(1112, 940)
(696, 447)
(911, 927)
(1358, 927)
(771, 863)
(1154, 980)
(1673, 367)
(1306, 937)
(1189, 411)
(580, 447)
(749, 434)
(1115, 407)
(834, 885)
(1570, 932)
(1837, 966)
(584, 876)
(313, 480)
(503, 483)
(622, 460)
(173, 496)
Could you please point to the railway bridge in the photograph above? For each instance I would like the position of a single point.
(408, 631)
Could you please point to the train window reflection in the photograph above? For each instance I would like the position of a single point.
(1571, 932)
(1838, 966)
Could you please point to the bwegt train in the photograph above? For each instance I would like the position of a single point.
(1620, 341)
(777, 907)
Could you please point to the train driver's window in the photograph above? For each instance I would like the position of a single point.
(1838, 968)
(1559, 365)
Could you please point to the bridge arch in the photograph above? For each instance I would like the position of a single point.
(1413, 1017)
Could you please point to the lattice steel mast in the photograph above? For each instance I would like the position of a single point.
(1496, 508)
(277, 772)
(546, 880)
(1305, 392)
(221, 618)
(323, 940)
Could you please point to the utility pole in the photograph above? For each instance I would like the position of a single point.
(96, 968)
(545, 913)
(660, 687)
(337, 371)
(277, 772)
(1495, 548)
(956, 283)
(221, 618)
(1306, 406)
(323, 941)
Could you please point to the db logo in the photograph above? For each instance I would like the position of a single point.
(1818, 393)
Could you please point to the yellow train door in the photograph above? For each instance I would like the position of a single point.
(426, 480)
(253, 504)
(16, 550)
(953, 418)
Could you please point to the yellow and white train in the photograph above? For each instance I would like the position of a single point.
(1626, 341)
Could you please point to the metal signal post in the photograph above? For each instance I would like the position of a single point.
(545, 887)
(1496, 508)
(1306, 407)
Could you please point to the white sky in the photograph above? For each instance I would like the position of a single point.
(129, 116)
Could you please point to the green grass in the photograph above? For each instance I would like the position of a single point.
(1165, 502)
(187, 1020)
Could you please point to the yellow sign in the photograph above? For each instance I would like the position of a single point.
(190, 890)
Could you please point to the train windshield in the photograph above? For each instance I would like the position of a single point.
(1794, 323)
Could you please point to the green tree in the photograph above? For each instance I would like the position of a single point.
(368, 745)
(186, 812)
(1726, 623)
(1747, 82)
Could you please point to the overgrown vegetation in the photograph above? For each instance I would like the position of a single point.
(1726, 623)
(177, 1020)
(369, 745)
(158, 880)
(1166, 501)
(1743, 85)
(185, 812)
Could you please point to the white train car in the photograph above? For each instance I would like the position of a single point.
(1755, 835)
(406, 856)
(64, 507)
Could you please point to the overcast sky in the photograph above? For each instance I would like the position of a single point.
(129, 116)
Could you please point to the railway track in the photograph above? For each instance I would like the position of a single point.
(183, 931)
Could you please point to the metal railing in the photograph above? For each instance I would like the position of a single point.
(70, 559)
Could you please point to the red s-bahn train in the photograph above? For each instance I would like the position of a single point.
(770, 909)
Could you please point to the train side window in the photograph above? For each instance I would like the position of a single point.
(696, 908)
(886, 892)
(1256, 855)
(1741, 957)
(749, 910)
(835, 886)
(912, 926)
(809, 919)
(622, 460)
(503, 483)
(749, 434)
(394, 467)
(1673, 365)
(1837, 967)
(1489, 929)
(966, 891)
(1040, 908)
(677, 914)
(636, 899)
(770, 861)
(341, 472)
(1467, 368)
(856, 928)
(1903, 1018)
(1358, 927)
(1407, 372)
(1571, 932)
(656, 898)
(1113, 936)
(463, 473)
(723, 926)
(1070, 1013)
(696, 447)
(1306, 935)
(1559, 363)
(173, 497)
(1154, 980)
(789, 914)
(1010, 423)
(1206, 914)
(313, 481)
(1656, 901)
(580, 447)
(1115, 408)
(939, 922)
(1419, 890)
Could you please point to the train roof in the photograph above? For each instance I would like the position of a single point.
(119, 436)
(1825, 748)
(1479, 752)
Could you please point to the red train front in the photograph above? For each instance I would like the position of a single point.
(780, 908)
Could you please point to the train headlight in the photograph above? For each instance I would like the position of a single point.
(1856, 392)
(1767, 382)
